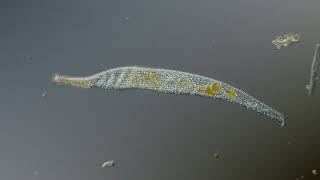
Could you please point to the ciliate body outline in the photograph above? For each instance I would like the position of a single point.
(173, 82)
(314, 71)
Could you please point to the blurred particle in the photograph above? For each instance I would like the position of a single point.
(314, 172)
(213, 43)
(44, 94)
(110, 163)
(302, 177)
(29, 59)
(289, 142)
(35, 173)
(127, 18)
(216, 155)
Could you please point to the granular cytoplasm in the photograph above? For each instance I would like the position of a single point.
(173, 82)
(285, 40)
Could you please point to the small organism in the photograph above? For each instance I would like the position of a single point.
(285, 40)
(44, 94)
(172, 82)
(314, 71)
(314, 172)
(109, 163)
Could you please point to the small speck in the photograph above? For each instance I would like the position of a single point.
(35, 173)
(44, 94)
(110, 163)
(314, 172)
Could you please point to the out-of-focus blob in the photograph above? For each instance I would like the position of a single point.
(285, 40)
(170, 81)
(314, 172)
(314, 71)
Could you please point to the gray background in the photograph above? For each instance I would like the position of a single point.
(69, 133)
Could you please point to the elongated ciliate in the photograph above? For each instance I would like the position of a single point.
(314, 73)
(170, 81)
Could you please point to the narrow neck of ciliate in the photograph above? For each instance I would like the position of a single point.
(72, 81)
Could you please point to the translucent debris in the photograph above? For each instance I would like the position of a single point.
(216, 155)
(285, 40)
(110, 163)
(314, 71)
(172, 82)
(314, 172)
(44, 94)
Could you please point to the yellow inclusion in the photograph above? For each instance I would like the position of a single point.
(231, 93)
(152, 78)
(212, 89)
(296, 38)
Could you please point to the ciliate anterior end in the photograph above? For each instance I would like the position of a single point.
(73, 81)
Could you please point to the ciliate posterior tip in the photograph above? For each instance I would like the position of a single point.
(284, 122)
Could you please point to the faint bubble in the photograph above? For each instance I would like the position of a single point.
(213, 43)
(29, 59)
(110, 163)
(314, 172)
(35, 173)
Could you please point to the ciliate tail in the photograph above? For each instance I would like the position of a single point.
(72, 81)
